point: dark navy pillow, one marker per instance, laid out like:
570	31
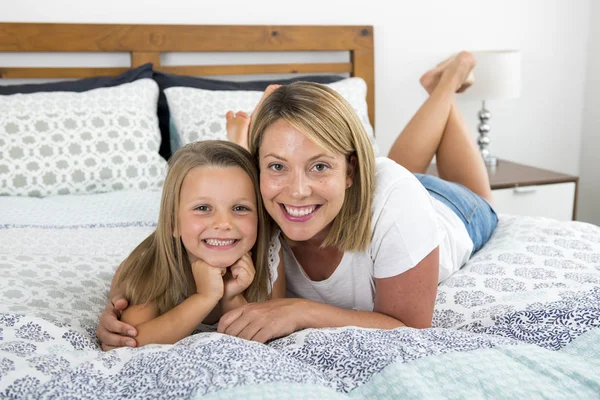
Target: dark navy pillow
166	81
81	85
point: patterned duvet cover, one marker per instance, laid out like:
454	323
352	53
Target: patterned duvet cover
520	319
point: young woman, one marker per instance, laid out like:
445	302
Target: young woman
364	241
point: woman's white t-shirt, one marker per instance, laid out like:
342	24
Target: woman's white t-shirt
407	224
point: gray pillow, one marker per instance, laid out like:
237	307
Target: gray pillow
100	140
199	114
166	81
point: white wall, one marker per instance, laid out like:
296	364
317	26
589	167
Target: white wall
542	127
589	184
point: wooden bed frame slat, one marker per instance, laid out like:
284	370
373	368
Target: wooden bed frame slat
192	70
181	38
255	69
58	73
145	43
363	66
140	58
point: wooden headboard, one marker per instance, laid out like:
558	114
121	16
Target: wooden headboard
145	43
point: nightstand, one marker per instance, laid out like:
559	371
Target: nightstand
520	189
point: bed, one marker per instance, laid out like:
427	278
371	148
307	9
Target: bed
520	319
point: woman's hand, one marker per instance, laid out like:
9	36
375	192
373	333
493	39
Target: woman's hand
209	280
111	332
240	276
264	321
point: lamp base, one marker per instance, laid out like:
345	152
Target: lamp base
484	140
490	161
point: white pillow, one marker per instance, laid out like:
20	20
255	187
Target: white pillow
100	140
199	114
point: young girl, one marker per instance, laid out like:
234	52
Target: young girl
209	252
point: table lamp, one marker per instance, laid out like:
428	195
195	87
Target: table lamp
497	76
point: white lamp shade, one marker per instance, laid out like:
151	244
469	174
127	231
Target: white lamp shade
497	75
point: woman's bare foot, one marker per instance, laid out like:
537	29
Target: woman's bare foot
459	72
237	126
431	78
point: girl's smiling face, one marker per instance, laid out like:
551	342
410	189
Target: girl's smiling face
218	218
303	185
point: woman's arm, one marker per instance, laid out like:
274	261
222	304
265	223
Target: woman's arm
403	300
410	296
320	315
405	253
171	326
280	317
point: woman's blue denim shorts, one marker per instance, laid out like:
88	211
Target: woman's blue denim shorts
474	211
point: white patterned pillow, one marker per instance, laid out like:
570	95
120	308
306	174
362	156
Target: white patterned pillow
199	114
100	140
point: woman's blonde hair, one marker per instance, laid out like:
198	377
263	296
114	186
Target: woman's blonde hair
327	119
159	269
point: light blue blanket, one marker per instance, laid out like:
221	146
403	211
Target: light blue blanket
329	363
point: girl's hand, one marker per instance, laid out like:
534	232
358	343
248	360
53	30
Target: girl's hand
264	321
240	276
209	280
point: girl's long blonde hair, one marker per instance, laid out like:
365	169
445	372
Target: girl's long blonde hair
328	120
158	269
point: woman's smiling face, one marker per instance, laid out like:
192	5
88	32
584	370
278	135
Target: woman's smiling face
302	184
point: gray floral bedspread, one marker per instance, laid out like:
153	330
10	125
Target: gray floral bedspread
520	319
